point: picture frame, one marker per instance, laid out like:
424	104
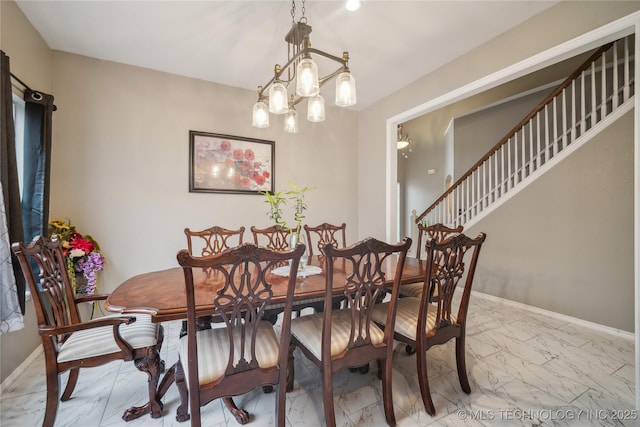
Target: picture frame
221	163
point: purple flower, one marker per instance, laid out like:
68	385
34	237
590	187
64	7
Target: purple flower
90	266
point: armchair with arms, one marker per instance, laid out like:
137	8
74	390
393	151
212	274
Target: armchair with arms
70	343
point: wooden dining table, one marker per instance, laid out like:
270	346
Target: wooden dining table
161	294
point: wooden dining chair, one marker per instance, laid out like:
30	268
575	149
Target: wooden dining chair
324	234
335	339
439	232
275	237
213	240
70	343
422	324
246	353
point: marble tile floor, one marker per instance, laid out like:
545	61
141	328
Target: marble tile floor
525	369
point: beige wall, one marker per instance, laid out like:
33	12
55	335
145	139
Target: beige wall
552	27
565	243
121	144
31	61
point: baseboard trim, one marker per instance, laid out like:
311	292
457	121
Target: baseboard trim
580	322
13	376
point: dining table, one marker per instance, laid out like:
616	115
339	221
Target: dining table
162	295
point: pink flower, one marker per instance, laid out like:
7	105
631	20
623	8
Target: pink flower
245	182
238	154
259	179
248	154
246	166
225	145
228	163
266	174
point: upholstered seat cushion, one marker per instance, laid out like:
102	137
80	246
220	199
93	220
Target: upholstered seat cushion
407	313
213	350
308	331
99	341
412	289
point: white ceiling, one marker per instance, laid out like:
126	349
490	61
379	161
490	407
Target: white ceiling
237	43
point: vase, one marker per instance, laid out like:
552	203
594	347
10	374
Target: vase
295	239
80	284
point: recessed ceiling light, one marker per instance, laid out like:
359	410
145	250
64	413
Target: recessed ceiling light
353	5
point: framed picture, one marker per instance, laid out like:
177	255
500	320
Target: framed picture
230	164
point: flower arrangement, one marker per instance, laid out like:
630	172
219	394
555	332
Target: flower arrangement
82	254
277	200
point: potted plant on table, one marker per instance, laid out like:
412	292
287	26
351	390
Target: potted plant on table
82	254
276	203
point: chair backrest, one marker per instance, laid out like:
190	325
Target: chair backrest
439	232
324	234
275	237
366	264
51	290
212	241
246	288
458	257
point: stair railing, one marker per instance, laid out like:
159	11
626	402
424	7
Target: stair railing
592	92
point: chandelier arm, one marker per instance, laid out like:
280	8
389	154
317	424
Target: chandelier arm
326	55
293	60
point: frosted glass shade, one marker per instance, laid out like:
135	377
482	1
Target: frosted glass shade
278	102
345	89
291	121
260	115
307	78
315	109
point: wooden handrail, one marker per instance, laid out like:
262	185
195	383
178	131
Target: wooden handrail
585	65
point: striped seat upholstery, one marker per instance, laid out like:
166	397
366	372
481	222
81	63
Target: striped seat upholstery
308	330
212	364
407	313
99	341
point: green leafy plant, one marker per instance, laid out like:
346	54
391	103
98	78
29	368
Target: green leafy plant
278	200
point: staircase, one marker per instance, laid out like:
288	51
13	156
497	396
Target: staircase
592	97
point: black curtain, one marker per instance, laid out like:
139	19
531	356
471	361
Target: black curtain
38	115
9	172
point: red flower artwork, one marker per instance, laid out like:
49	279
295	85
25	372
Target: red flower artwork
226	164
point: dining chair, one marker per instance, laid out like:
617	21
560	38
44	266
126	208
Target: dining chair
245	353
213	240
275	237
335	339
324	234
440	232
70	343
422	324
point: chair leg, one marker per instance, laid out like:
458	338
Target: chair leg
387	394
281	400
53	386
327	391
71	384
182	413
290	368
423	380
462	365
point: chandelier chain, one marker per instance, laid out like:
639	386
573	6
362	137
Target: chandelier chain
293	12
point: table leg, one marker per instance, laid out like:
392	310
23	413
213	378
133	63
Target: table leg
153	366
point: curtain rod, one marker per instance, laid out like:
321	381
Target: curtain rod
30	90
21	82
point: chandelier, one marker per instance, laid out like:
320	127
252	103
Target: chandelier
403	141
302	71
